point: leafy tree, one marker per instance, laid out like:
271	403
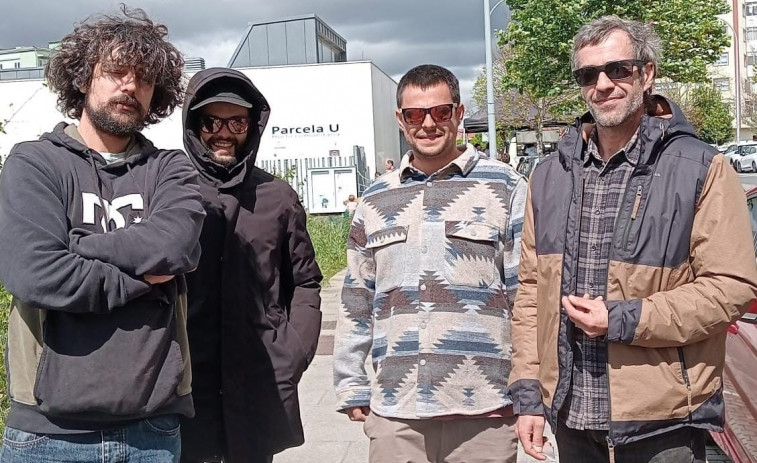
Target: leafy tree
540	35
710	115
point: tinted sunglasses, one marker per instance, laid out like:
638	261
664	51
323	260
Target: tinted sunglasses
416	116
614	70
236	125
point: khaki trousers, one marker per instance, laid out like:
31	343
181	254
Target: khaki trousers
464	440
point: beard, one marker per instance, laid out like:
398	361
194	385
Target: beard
618	116
106	118
634	101
225	160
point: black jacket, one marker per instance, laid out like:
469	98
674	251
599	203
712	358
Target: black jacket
254	302
90	343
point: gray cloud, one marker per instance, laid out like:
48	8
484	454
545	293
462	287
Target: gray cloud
394	34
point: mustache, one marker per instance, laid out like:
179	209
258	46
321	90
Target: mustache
126	100
216	138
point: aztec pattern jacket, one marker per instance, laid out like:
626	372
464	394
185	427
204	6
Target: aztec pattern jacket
432	273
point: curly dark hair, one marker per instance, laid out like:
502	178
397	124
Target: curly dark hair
131	41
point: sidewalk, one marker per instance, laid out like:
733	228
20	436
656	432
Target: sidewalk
329	436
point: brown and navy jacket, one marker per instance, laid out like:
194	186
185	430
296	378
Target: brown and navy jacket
681	270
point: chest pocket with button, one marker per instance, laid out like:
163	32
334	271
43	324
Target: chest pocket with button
389	254
469	251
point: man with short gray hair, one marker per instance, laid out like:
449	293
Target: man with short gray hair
632	269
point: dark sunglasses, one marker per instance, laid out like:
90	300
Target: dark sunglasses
236	125
614	70
416	116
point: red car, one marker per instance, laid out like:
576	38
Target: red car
739	438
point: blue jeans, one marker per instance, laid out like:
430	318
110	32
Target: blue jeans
152	440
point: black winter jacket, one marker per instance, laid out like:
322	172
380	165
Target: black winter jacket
254	301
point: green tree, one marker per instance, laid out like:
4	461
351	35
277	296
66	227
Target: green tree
515	108
540	35
710	115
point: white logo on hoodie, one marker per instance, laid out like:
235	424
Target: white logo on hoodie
92	201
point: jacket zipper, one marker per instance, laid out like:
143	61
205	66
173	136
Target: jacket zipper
636	203
610	449
685	375
634	214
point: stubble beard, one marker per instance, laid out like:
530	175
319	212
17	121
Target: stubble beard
620	115
104	118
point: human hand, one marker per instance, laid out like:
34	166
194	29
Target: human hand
590	315
157	279
530	432
358	413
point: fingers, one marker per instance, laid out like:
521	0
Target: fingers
530	431
157	279
576	315
358	413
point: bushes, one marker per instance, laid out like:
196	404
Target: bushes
329	235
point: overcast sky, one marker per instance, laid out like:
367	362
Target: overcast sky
395	34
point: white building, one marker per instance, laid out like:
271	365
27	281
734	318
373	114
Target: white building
733	73
324	117
332	122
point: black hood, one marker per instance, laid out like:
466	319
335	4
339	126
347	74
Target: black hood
662	121
67	136
213	172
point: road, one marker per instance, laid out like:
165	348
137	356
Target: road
748	180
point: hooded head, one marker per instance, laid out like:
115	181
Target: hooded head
224	116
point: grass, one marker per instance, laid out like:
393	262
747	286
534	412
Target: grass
329	235
5	303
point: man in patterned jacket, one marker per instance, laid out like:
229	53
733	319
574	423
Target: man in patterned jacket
432	263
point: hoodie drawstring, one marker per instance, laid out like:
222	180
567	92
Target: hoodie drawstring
96	174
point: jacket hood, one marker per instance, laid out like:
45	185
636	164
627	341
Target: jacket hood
67	136
662	121
211	171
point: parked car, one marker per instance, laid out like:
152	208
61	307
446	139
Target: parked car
736	156
526	164
746	160
739	438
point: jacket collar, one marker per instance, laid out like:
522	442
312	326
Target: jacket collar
662	120
461	165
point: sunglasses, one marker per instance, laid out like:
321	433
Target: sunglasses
236	125
614	70
441	113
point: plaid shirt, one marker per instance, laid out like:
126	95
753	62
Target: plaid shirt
587	406
432	271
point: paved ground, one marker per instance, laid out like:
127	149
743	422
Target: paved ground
329	436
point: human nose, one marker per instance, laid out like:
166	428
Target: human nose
129	82
224	130
604	82
428	121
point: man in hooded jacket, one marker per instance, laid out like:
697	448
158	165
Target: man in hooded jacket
254	301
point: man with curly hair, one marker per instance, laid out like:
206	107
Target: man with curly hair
98	228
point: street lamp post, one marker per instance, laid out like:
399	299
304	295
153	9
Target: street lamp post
492	124
737	75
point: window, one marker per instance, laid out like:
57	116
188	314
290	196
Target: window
751	33
16	65
751	9
751	60
722	60
722	85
